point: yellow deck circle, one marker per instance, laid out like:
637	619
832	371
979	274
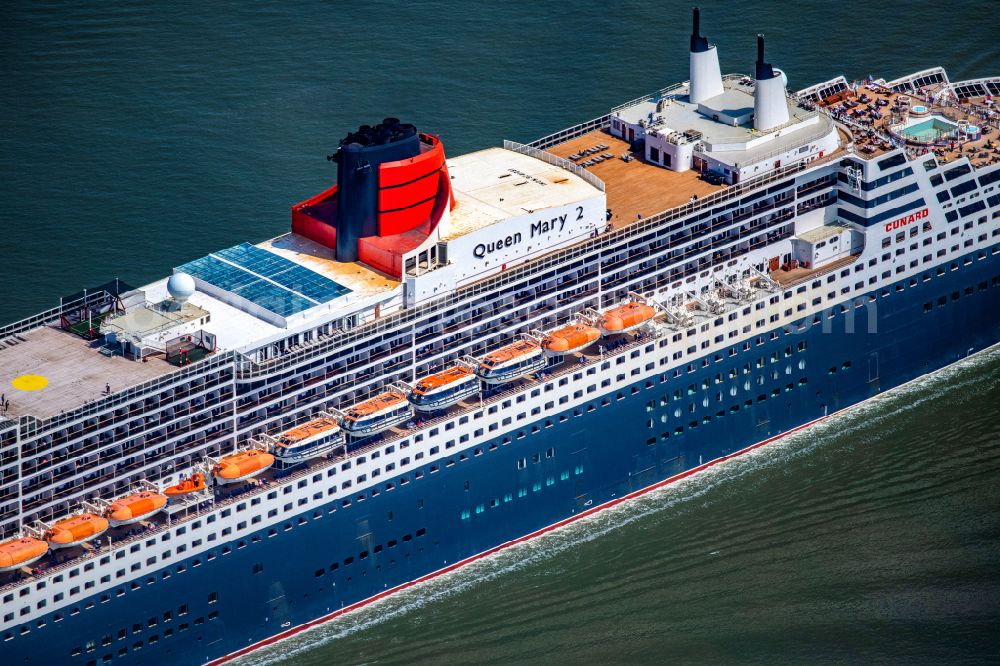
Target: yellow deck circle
30	382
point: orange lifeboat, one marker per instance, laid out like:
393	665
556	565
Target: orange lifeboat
315	438
387	409
626	318
134	508
76	530
444	389
242	466
511	362
570	339
193	484
18	553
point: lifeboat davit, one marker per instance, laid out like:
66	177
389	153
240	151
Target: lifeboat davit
18	553
376	414
625	318
193	484
242	466
511	362
76	530
443	389
134	508
570	339
309	440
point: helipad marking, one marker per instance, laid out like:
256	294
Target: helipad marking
30	382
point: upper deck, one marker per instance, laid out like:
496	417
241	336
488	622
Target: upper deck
635	189
881	118
496	184
74	372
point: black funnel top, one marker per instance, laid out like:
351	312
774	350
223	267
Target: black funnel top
358	158
763	70
699	44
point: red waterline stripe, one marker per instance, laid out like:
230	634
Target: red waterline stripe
486	553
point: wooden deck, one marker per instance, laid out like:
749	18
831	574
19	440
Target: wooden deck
796	275
634	188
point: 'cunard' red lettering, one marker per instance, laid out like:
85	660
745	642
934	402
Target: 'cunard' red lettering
903	221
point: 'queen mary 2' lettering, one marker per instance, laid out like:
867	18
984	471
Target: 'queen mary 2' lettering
909	219
538	228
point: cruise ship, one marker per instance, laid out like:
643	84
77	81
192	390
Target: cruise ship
446	356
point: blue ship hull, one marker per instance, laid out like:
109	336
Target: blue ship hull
319	562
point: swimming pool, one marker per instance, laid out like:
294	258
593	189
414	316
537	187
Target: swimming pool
930	130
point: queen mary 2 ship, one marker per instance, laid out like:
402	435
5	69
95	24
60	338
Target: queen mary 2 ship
448	356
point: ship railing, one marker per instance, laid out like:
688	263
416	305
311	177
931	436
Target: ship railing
31	425
819	272
671	90
656	95
51	315
554	160
852	124
571	132
819	134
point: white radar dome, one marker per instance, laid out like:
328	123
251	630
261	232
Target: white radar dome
180	286
784	77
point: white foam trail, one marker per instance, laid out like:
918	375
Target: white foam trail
880	409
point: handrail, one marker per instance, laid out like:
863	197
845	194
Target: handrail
779	151
555	160
667	91
835	264
211	362
572	132
52	314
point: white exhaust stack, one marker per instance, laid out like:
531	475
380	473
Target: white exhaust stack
770	109
706	77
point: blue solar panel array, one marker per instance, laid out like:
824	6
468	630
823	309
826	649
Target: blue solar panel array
265	278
